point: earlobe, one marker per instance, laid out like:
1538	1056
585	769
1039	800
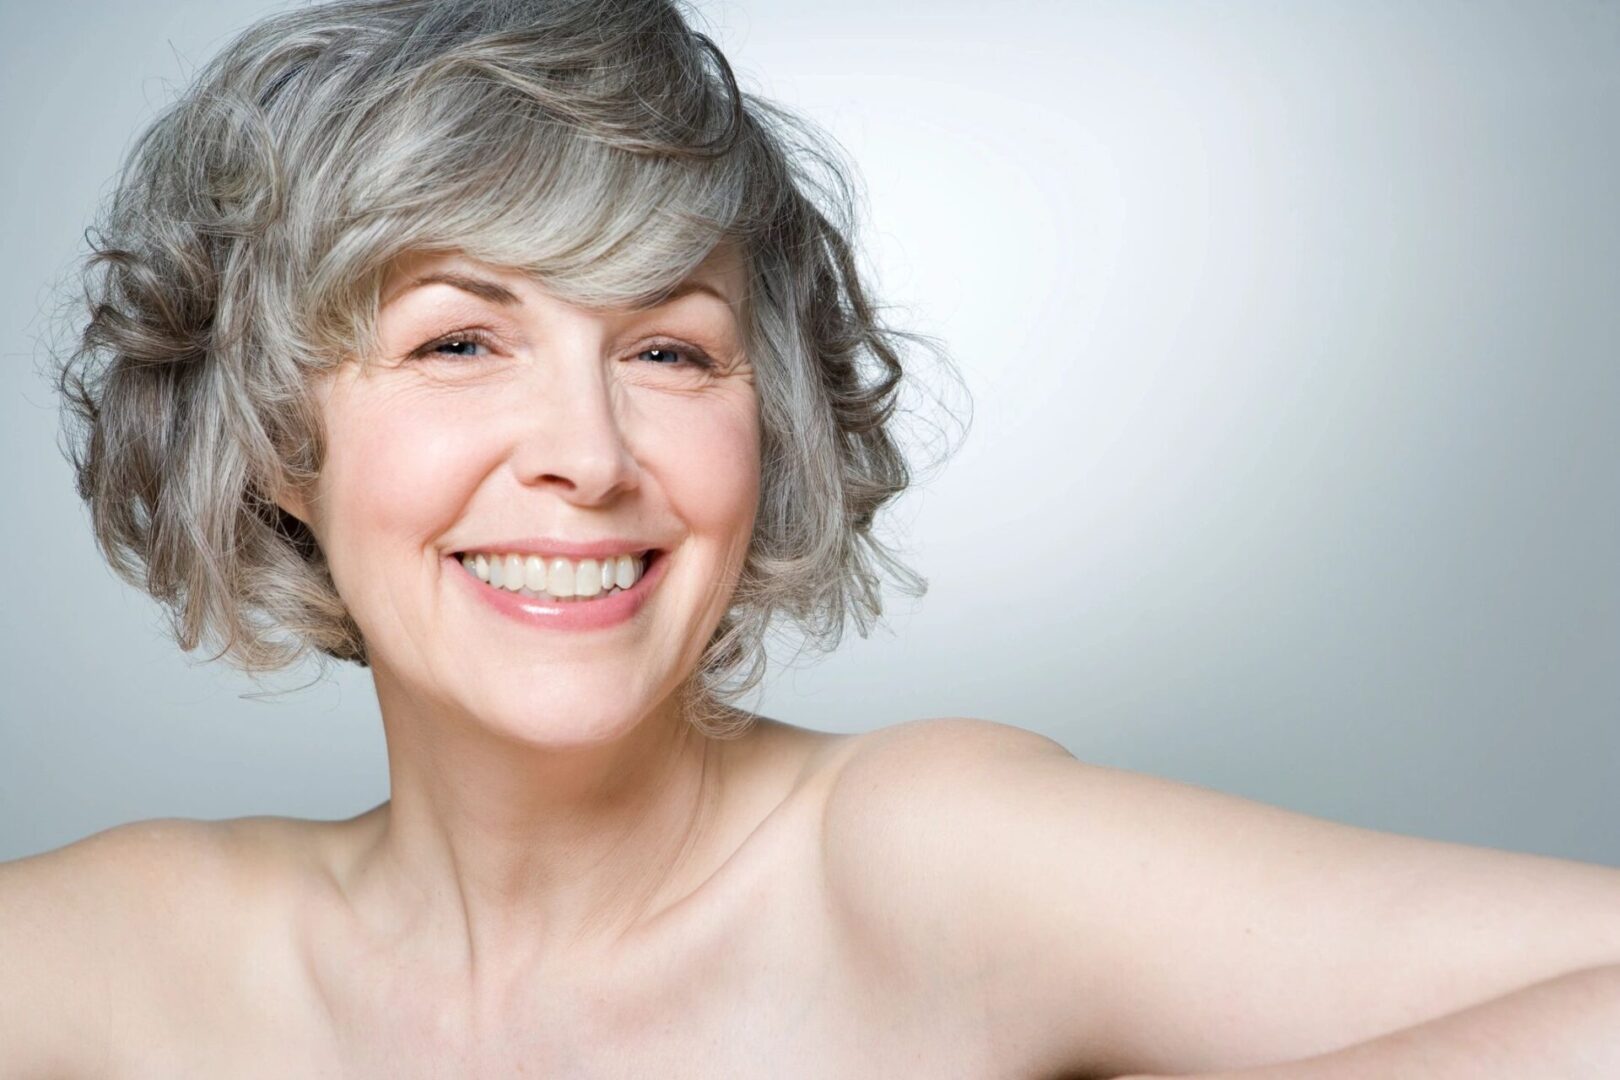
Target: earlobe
292	502
293	507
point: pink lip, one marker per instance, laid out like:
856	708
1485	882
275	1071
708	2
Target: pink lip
567	614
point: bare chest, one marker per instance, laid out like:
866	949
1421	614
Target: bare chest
800	1014
754	1002
756	976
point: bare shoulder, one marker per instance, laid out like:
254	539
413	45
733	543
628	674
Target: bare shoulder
899	817
79	922
904	765
895	777
1093	913
930	827
97	886
142	867
106	937
944	739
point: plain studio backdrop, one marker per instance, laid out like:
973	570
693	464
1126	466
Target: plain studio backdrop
1295	463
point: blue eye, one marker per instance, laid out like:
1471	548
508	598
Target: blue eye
463	343
461	338
684	356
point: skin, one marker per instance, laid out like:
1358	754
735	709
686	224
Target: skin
567	877
549	809
543	777
568	883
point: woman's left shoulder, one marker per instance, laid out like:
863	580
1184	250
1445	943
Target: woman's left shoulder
967	852
877	782
924	825
911	804
910	764
942	738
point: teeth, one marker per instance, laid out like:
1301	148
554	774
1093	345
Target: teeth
560	578
589	579
556	578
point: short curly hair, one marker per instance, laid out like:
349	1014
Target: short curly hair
601	146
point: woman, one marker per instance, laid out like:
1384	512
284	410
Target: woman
509	350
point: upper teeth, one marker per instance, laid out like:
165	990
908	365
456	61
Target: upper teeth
554	576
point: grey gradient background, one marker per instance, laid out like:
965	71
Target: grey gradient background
1294	471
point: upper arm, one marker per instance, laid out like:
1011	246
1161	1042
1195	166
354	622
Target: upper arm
1122	922
77	936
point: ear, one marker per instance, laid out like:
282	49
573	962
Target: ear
291	500
295	507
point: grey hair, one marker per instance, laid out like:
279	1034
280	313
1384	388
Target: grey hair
601	146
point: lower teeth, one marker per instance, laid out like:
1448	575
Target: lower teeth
548	598
531	594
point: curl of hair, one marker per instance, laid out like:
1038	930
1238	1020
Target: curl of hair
602	147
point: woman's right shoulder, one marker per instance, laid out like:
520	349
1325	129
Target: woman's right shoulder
118	874
95	933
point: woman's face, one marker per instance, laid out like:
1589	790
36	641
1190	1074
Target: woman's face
502	421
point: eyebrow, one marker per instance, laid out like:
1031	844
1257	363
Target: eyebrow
484	289
496	293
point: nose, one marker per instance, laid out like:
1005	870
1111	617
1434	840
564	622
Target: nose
569	432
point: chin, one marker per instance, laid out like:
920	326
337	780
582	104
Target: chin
580	712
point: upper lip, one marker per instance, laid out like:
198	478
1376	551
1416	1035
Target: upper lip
568	549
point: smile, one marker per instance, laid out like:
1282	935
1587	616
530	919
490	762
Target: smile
555	578
599	607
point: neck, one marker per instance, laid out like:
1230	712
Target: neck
504	854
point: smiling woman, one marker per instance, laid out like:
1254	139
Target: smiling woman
485	409
354	183
508	349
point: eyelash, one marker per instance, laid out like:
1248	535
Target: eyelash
694	357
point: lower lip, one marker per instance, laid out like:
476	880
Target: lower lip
596	614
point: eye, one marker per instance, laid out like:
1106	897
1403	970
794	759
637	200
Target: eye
664	353
461	339
676	354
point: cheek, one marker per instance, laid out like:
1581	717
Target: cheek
709	467
402	469
398	471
